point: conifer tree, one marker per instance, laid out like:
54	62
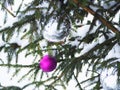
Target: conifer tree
59	24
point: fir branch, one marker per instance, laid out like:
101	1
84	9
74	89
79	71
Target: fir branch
23	21
19	7
98	46
7	10
89	79
18	65
58	77
78	82
99	17
27	46
38	83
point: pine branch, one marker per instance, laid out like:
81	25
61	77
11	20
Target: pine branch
99	17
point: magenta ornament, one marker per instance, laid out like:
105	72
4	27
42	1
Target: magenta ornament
48	63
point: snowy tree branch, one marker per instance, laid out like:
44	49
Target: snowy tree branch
99	17
23	21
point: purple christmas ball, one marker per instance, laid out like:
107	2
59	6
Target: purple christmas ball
48	63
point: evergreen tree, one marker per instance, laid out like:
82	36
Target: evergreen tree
58	24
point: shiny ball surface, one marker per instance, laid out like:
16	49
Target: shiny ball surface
48	63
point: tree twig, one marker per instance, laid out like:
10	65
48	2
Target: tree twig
78	82
8	10
38	83
99	17
23	21
17	65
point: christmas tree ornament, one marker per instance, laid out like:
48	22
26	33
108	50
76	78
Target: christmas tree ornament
55	31
48	63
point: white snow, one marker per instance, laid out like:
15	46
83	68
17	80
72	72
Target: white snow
50	33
